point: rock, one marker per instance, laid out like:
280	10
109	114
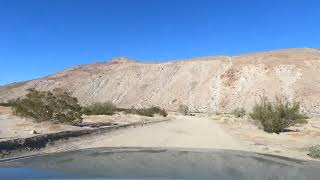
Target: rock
34	132
122	60
208	84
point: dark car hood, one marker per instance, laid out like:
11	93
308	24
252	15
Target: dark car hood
158	163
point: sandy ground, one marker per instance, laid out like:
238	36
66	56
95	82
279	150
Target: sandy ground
15	127
200	131
203	131
291	144
182	131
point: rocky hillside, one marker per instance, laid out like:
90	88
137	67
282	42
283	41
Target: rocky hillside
210	84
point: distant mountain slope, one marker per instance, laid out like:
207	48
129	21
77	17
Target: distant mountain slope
209	84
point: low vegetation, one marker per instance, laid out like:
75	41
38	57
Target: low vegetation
239	112
278	115
7	104
58	107
61	107
110	109
314	152
150	112
100	109
183	109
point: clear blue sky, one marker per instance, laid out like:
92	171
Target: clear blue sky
40	37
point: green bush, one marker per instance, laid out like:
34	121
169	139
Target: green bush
100	109
314	152
58	107
183	109
110	109
154	110
150	112
278	115
239	112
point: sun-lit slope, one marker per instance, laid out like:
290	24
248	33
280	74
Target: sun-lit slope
210	84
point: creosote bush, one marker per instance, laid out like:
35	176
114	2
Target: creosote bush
109	109
183	109
58	107
314	152
100	109
7	104
61	107
278	115
150	112
239	112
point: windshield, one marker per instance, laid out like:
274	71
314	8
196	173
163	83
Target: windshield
230	81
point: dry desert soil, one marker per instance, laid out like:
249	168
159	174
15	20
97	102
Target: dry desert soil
200	131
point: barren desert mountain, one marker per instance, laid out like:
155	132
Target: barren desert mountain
209	84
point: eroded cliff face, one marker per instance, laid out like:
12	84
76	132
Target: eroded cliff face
211	84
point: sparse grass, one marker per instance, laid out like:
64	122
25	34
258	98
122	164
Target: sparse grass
58	107
278	115
314	152
302	121
183	109
239	112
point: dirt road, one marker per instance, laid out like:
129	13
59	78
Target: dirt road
203	131
191	132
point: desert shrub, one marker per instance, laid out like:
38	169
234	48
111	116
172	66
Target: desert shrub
314	152
48	106
100	109
7	104
150	112
158	110
183	109
239	112
109	109
278	115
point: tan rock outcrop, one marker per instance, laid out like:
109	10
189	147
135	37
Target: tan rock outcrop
209	84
